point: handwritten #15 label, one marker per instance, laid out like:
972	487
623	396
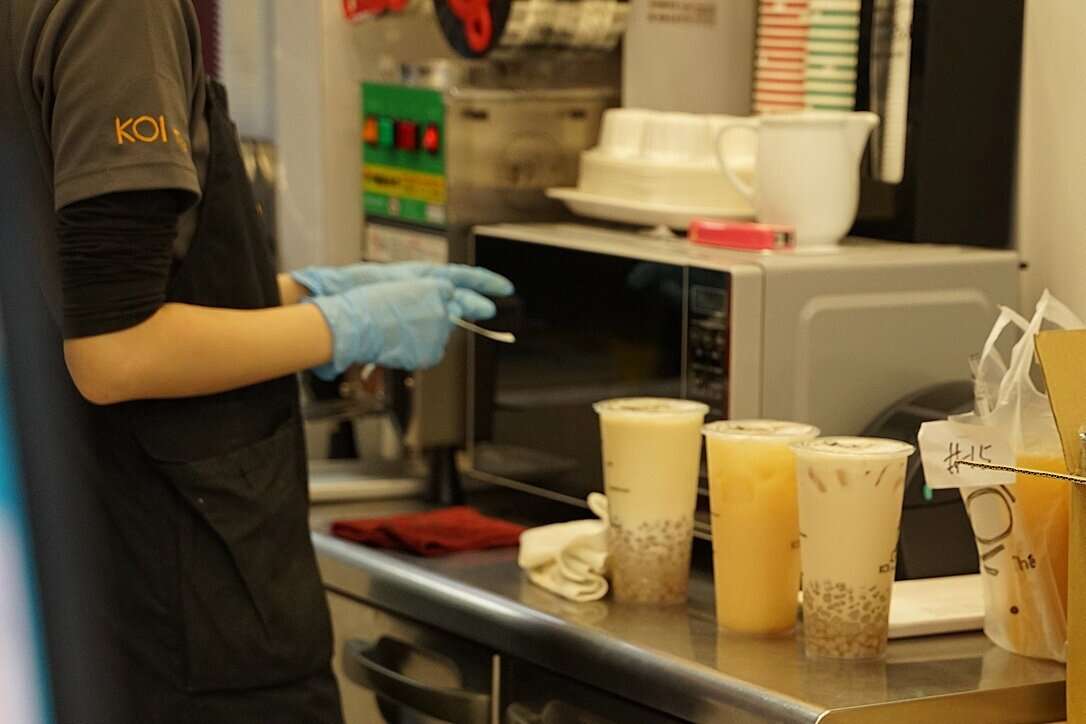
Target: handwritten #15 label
945	445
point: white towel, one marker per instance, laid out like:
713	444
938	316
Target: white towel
569	559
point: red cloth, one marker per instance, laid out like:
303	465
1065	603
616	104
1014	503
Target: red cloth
430	534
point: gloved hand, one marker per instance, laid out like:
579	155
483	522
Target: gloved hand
399	324
321	281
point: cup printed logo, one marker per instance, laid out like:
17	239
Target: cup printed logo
991	542
141	129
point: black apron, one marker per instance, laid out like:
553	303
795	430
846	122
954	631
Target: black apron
221	613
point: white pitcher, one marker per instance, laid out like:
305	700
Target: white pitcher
808	170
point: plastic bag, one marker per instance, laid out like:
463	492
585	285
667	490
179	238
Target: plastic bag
1021	530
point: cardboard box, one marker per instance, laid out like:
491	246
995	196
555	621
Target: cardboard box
1063	359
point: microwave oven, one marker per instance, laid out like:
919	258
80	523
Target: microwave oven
830	337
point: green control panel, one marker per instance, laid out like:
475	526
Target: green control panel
403	154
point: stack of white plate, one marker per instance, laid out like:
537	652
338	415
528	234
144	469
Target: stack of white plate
656	168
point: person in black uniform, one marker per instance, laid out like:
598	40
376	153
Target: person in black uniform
182	345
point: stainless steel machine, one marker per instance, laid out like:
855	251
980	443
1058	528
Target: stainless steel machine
449	144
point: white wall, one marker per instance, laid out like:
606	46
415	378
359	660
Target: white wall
1051	224
321	61
299	103
247	31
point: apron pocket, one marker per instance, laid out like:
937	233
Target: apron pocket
251	597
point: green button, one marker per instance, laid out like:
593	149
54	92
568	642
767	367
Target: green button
385	132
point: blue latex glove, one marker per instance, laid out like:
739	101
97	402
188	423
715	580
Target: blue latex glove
321	281
400	324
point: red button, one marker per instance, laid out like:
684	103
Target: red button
431	139
407	136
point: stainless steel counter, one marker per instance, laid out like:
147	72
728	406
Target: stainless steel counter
674	659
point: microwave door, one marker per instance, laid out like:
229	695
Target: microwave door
589	327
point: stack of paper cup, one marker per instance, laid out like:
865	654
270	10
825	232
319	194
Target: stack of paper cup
578	24
807	55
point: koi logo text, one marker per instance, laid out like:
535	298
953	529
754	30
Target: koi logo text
141	129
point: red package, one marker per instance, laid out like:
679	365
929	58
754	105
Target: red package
741	235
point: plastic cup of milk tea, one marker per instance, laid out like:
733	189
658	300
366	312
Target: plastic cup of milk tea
651	453
752	495
850	493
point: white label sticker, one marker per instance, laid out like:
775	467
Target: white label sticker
945	445
388	243
685	12
435	213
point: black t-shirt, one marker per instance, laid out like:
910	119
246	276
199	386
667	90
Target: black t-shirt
105	98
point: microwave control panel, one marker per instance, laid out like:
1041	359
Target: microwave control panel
708	301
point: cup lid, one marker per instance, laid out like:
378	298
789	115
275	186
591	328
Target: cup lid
860	447
760	430
659	406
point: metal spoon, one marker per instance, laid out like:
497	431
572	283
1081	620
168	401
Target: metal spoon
503	337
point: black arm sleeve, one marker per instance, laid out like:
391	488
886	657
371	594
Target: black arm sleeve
115	253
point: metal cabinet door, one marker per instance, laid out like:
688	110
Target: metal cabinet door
531	695
392	670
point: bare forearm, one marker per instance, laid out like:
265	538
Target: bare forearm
290	291
185	351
